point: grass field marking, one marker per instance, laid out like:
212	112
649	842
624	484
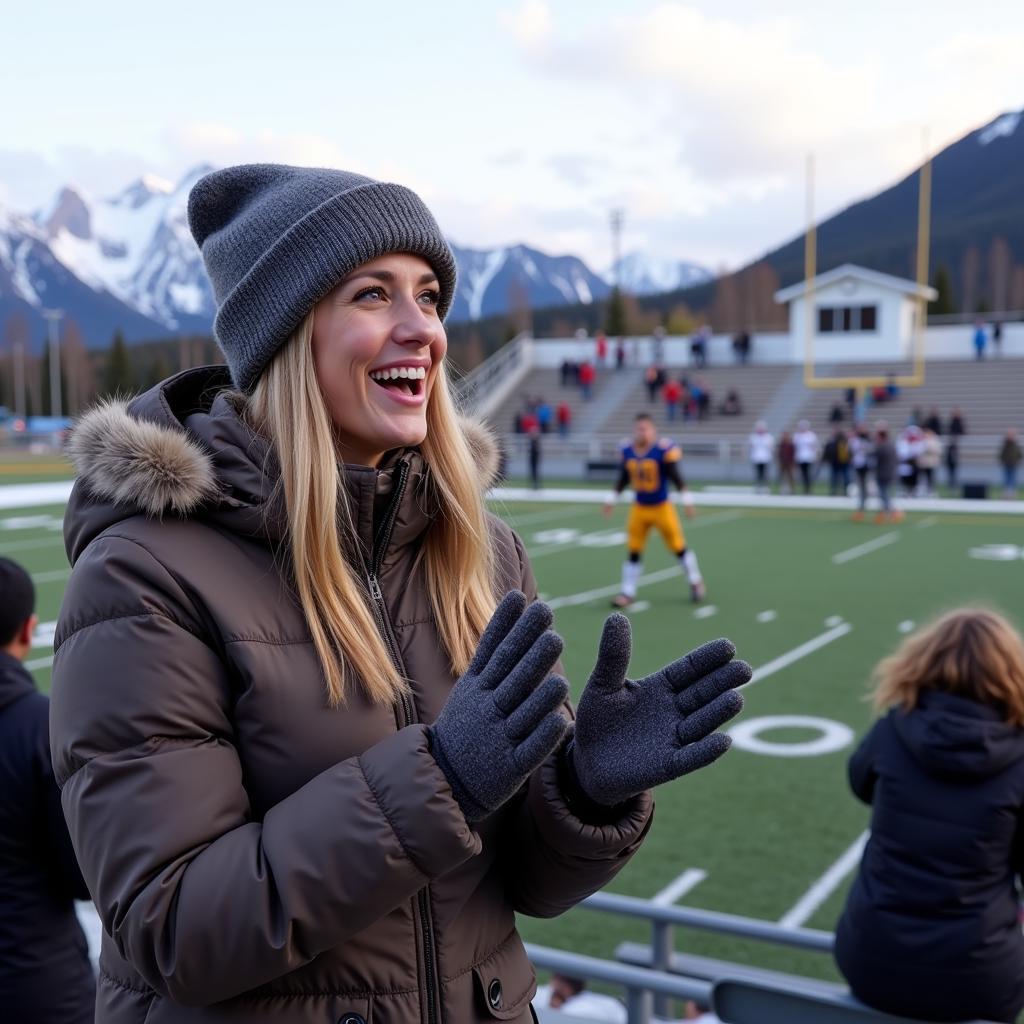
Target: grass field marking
906	626
767	616
637	606
824	886
613	588
866	548
32	545
51	577
533	518
926	522
730	515
679	887
39	663
787	659
44	634
35	495
706	611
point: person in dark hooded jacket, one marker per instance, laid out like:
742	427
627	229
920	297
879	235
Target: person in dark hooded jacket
931	926
45	974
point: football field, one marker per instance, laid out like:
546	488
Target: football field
811	599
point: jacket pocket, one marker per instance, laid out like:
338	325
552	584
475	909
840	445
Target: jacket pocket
504	983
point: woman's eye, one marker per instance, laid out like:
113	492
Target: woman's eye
375	292
430	298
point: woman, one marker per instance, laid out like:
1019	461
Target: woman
310	770
931	926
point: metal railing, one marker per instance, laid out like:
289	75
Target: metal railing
486	386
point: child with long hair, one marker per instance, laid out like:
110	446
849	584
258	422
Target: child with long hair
931	925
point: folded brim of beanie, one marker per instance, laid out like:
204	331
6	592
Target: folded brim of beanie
314	256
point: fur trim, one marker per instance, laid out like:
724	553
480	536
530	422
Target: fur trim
484	448
134	462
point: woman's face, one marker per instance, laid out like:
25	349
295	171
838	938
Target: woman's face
377	347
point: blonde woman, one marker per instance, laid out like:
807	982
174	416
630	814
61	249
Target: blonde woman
931	927
312	745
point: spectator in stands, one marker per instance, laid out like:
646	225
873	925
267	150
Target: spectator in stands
564	416
700	398
620	355
957	425
653	380
929	460
837	415
601	347
980	339
762	449
806	441
952	460
908	451
933	422
787	464
587	375
997	338
545	415
699	346
885	463
916	417
732	406
45	974
671	395
566	372
931	927
570	997
534	454
1010	459
837	457
741	347
860	460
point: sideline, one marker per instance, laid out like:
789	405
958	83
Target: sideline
730	499
30	495
677	889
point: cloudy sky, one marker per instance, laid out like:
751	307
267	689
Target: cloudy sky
518	121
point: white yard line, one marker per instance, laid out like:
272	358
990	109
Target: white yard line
613	588
31	545
705	611
31	495
787	659
767	616
38	663
50	577
824	886
678	888
533	518
926	522
865	549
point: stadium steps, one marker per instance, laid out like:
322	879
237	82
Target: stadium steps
988	392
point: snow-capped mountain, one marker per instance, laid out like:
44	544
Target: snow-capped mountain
642	274
128	261
495	280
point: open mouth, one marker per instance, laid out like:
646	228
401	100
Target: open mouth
405	380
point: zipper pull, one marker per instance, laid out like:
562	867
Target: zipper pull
375	592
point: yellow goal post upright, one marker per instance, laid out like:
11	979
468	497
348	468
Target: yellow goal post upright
861	383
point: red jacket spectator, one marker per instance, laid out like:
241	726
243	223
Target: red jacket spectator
602	349
672	392
587	374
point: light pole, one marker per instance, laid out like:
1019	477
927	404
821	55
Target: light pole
53	319
617	216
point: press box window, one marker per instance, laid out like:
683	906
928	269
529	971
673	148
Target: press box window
832	319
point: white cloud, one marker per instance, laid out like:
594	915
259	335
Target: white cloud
529	24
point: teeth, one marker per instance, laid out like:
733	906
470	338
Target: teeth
400	373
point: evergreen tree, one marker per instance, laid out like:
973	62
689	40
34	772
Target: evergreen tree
944	286
119	378
615	318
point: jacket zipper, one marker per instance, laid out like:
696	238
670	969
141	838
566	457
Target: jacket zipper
408	712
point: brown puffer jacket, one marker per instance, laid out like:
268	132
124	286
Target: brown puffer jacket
255	854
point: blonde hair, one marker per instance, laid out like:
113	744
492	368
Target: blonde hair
972	652
287	406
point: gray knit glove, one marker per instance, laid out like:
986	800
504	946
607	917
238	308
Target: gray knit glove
632	735
501	719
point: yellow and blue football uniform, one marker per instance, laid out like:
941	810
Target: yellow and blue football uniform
649	473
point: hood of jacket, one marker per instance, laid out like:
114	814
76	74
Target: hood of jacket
954	737
183	449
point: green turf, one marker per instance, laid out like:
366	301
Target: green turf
763	828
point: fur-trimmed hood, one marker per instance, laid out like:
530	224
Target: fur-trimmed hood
181	449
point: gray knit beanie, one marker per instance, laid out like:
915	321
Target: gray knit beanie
276	239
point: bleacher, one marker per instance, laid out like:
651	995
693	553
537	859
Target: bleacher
989	393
